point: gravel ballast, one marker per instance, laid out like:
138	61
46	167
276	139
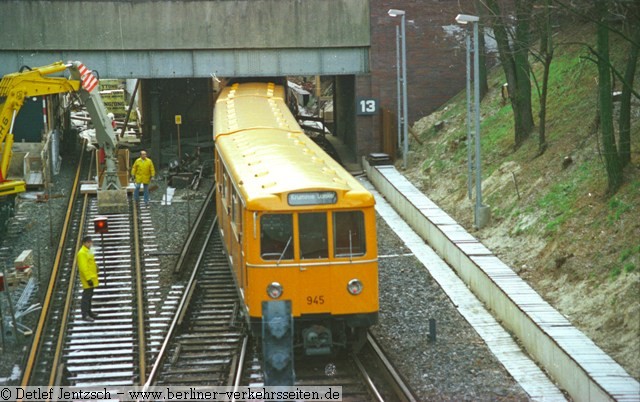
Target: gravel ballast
458	365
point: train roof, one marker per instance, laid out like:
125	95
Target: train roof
252	106
269	156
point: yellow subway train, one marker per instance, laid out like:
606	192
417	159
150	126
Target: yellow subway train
296	225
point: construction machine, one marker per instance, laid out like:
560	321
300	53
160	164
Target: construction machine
28	82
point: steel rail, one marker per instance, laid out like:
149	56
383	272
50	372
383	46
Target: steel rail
239	368
35	345
186	250
368	380
140	300
69	298
183	305
402	391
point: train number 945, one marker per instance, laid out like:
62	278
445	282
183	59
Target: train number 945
315	300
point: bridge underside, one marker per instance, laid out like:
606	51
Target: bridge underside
188	42
200	63
189	38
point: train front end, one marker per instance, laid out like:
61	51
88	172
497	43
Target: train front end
320	253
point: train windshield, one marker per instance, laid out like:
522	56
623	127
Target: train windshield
276	237
348	234
313	235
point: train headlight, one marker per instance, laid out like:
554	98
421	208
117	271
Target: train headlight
274	290
354	287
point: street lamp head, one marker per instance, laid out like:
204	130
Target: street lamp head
395	13
464	19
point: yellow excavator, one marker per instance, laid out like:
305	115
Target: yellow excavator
29	82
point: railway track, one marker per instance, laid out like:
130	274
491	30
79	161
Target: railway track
67	350
206	344
203	335
203	341
367	376
109	351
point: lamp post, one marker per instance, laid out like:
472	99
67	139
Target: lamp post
469	139
482	213
398	83
405	119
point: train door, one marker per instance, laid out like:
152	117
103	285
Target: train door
314	278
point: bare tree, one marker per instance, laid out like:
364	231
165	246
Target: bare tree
605	98
514	59
545	55
616	155
482	50
624	122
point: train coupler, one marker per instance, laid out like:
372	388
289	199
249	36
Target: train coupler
317	340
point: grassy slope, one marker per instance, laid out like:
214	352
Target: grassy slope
576	245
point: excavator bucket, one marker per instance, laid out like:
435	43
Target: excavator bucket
113	202
113	183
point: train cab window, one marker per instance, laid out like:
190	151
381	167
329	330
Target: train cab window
276	237
348	234
313	235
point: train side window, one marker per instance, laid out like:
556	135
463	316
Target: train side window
224	186
276	237
226	193
232	206
348	234
236	213
313	235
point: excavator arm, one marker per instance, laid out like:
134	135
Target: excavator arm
15	87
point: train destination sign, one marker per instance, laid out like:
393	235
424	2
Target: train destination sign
313	198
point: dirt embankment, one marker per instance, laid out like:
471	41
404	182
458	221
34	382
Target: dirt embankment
553	221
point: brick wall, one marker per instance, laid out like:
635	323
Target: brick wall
435	60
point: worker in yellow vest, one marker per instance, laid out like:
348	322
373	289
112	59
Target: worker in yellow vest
88	271
142	172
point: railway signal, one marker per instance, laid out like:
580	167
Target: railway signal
101	225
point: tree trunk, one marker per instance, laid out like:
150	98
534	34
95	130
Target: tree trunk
521	46
605	99
624	123
546	53
484	85
515	64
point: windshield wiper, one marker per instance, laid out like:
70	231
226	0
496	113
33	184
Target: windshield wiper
350	248
284	250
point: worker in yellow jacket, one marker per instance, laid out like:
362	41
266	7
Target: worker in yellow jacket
142	172
88	271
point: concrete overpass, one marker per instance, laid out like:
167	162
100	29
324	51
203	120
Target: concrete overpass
351	40
189	38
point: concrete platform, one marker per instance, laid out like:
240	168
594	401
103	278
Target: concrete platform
530	377
570	357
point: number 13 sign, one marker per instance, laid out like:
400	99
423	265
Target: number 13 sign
366	107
